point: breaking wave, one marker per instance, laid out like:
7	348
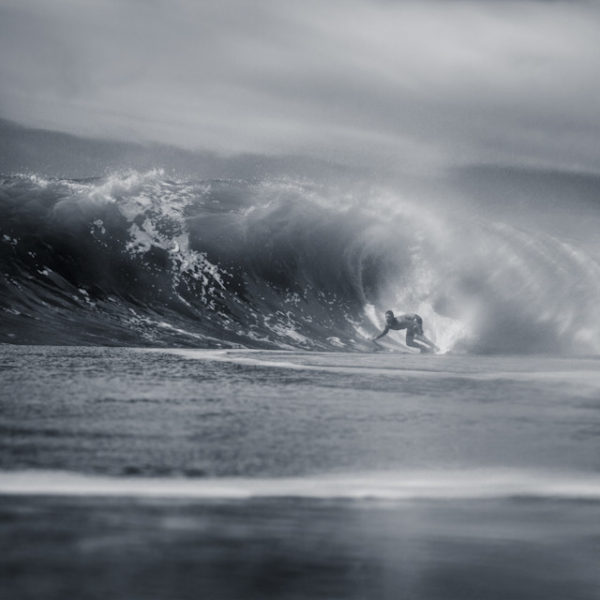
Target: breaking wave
141	259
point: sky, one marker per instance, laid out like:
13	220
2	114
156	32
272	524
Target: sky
422	85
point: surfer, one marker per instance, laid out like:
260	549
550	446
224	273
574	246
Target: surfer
413	324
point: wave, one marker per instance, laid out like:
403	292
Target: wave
430	485
142	259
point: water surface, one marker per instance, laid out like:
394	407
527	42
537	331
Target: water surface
248	474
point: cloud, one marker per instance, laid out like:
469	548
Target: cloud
417	84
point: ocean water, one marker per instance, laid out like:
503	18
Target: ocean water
173	473
191	406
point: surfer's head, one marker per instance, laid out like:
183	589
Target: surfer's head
389	315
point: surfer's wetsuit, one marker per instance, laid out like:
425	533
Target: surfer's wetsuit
413	324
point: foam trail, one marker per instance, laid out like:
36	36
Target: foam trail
399	485
262	358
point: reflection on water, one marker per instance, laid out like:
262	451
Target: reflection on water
55	548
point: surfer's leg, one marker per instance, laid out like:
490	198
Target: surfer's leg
414	343
425	340
416	339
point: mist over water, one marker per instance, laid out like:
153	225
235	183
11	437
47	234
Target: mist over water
143	258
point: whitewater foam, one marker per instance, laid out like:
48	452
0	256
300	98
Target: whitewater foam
409	485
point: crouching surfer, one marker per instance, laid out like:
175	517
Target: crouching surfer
414	330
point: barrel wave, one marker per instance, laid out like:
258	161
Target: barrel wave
143	259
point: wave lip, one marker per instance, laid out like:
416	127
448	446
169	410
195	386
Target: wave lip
387	486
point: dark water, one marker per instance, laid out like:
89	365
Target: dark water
132	473
97	548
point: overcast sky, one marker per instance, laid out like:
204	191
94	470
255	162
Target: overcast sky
422	84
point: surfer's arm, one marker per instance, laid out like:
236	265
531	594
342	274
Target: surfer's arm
384	332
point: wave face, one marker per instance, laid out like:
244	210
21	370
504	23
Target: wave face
141	259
